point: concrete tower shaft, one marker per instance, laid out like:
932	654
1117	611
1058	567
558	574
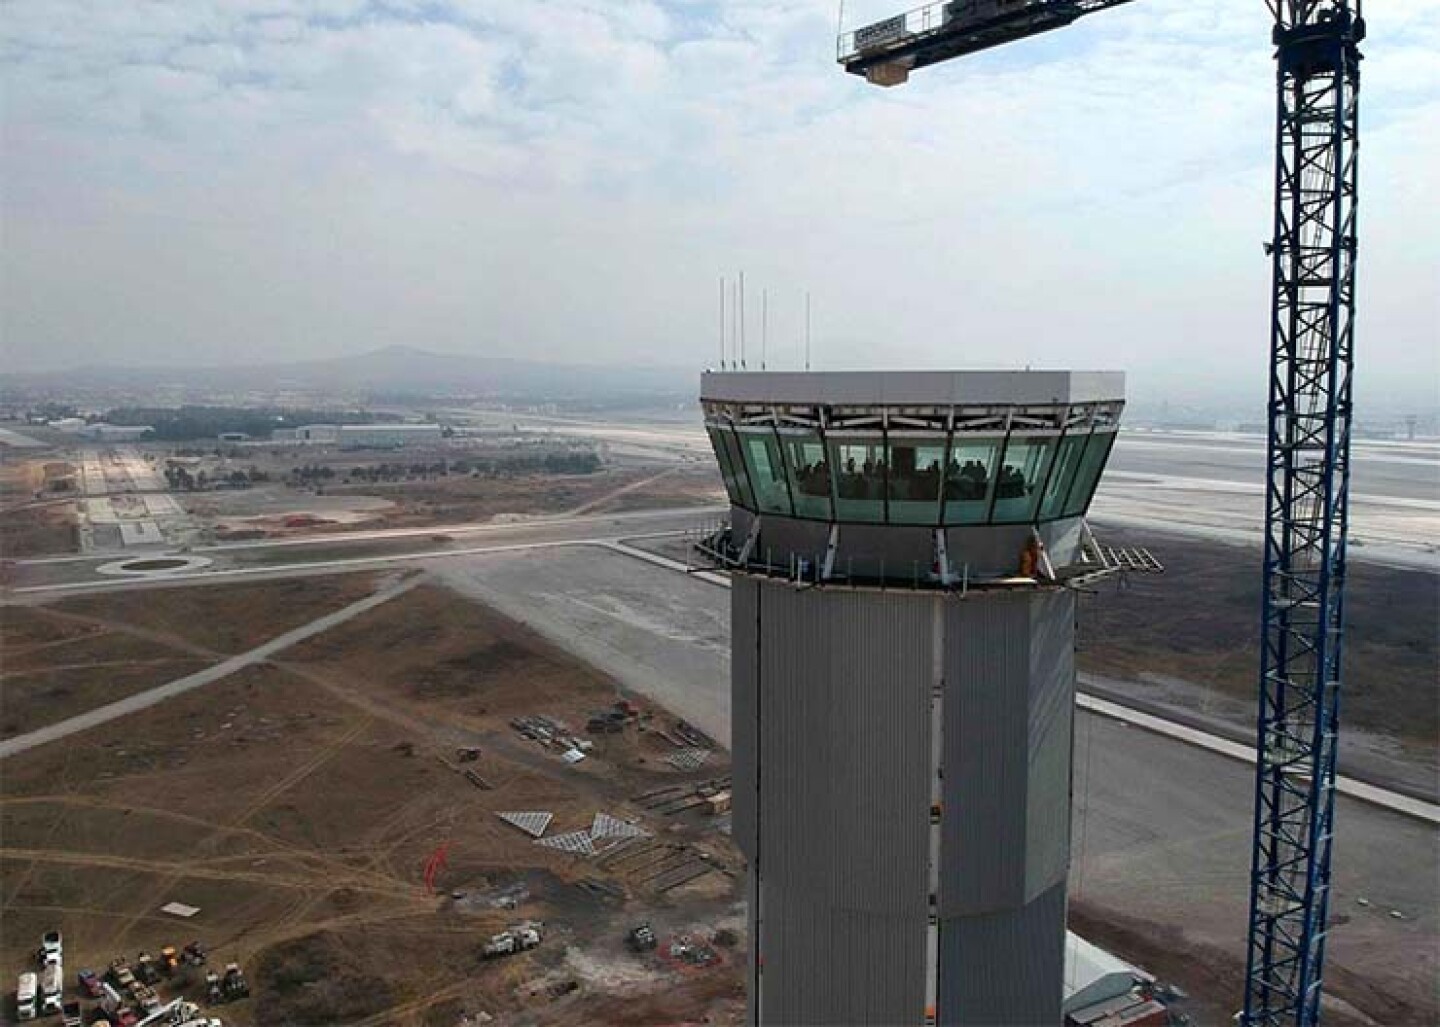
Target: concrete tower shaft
903	683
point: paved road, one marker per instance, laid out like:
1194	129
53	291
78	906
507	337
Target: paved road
150	697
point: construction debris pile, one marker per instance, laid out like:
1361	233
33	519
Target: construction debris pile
713	796
553	733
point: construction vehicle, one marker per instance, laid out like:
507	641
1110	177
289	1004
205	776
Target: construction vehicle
52	950
26	987
467	754
146	970
194	954
169	960
234	983
90	983
641	938
52	986
121	973
145	997
110	999
214	992
517	939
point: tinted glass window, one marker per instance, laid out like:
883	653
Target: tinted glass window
737	467
722	457
970	478
916	467
809	474
1022	477
859	469
1062	475
767	470
1088	475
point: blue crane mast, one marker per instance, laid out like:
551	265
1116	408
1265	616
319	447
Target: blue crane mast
1312	250
1312	330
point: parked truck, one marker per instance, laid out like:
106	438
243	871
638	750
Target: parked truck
517	939
52	985
236	987
641	938
194	954
25	994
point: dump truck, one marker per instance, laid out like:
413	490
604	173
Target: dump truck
169	960
214	991
70	1015
146	970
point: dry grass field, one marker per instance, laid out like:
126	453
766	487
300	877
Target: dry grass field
297	802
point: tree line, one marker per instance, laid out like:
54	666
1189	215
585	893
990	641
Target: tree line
177	424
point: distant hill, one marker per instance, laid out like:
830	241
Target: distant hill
395	371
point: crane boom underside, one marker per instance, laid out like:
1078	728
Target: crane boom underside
953	28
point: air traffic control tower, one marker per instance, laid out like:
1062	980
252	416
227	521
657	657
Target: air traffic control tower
901	548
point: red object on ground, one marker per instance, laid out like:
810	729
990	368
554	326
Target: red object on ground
435	864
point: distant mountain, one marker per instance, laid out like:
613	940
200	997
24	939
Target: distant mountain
395	371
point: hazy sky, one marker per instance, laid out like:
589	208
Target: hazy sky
209	182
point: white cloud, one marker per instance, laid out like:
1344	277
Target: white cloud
200	180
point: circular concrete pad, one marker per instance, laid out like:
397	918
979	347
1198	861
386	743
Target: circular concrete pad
154	566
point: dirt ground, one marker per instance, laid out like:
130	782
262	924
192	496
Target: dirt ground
31	526
61	659
1200	620
236	617
460	499
297	804
53	666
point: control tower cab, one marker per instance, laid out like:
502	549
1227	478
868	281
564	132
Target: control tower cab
903	682
927	478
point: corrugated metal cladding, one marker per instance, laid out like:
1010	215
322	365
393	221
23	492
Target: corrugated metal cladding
744	748
987	672
1005	969
844	731
843	714
1052	715
831	728
1009	695
830	966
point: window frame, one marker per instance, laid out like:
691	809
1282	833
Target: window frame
1051	440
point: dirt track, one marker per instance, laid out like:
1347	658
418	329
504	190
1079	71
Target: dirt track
295	803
